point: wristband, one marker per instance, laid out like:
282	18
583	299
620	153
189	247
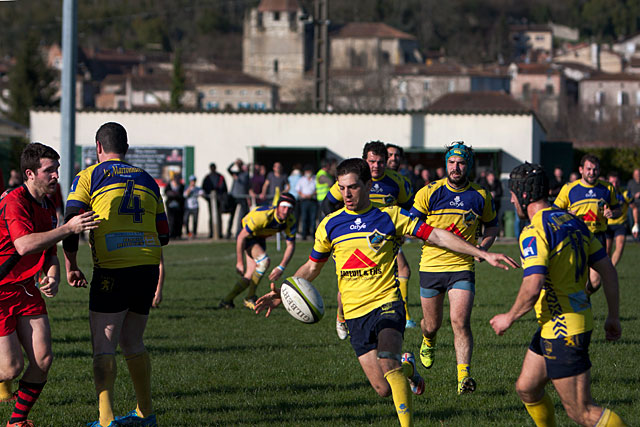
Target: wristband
281	268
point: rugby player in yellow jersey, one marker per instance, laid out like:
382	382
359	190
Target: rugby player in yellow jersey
460	206
363	241
557	250
257	225
388	188
126	250
592	200
395	155
617	227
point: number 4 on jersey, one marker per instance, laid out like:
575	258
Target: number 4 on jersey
130	203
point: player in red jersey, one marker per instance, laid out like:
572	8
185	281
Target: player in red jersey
28	235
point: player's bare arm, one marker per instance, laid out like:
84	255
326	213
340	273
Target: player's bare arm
240	244
38	242
609	275
288	253
635	230
490	235
525	301
50	279
448	240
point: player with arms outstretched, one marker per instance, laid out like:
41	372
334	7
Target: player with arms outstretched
363	241
557	250
127	252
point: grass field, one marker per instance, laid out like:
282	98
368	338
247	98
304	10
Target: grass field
233	368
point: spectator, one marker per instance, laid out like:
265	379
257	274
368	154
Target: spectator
15	179
191	208
573	176
423	179
174	194
633	186
556	183
306	189
215	182
293	180
324	179
257	182
440	173
239	193
493	185
275	179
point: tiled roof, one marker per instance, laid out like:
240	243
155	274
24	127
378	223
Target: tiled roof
278	6
227	78
478	103
428	70
370	30
609	77
538	68
532	27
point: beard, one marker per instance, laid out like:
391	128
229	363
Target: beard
459	181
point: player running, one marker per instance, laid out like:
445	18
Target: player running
462	207
617	227
28	238
363	240
126	250
557	249
257	225
594	202
388	188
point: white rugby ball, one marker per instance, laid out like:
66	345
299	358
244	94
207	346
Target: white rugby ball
302	300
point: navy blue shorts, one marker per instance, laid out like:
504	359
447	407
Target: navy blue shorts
250	242
602	238
433	284
564	357
614	231
117	289
364	330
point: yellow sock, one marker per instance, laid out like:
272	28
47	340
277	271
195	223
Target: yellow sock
407	369
104	376
464	370
253	284
5	390
542	412
401	393
139	366
404	290
610	419
240	286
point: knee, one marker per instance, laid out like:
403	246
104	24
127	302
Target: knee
131	346
461	324
12	370
527	393
383	390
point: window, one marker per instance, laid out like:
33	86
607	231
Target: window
258	92
386	58
623	98
598	114
293	22
600	98
539	38
260	21
121	105
243	91
402	103
212	105
276	16
402	86
275	66
260	106
451	87
228	92
150	99
244	105
638	98
425	86
212	91
548	89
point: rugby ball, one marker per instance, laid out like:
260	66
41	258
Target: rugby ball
302	300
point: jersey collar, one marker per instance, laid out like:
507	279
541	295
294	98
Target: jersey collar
365	210
456	190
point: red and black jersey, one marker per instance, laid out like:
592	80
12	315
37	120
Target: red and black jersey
21	214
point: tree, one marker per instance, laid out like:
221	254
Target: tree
177	81
30	82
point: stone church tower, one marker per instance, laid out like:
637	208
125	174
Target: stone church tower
273	46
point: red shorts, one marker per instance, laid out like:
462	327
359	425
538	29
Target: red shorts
18	300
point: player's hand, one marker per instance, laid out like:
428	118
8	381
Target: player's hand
635	230
275	274
269	301
83	222
500	323
608	213
76	279
500	260
157	299
240	268
48	285
612	329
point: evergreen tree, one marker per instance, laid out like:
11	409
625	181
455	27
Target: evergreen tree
177	81
30	82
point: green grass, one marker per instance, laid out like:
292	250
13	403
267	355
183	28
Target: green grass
232	368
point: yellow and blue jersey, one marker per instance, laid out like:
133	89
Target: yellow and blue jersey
624	199
560	246
128	203
262	222
460	211
588	202
364	246
389	190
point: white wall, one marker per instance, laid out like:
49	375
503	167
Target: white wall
223	137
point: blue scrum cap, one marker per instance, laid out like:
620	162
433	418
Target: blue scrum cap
457	148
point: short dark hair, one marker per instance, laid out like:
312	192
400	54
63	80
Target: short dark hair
113	138
591	158
375	147
31	155
400	149
613	174
357	166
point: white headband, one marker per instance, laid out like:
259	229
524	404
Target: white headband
285	204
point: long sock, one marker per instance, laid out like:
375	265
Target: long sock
401	393
610	419
404	290
104	377
253	284
542	412
139	365
28	393
5	390
464	370
240	286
